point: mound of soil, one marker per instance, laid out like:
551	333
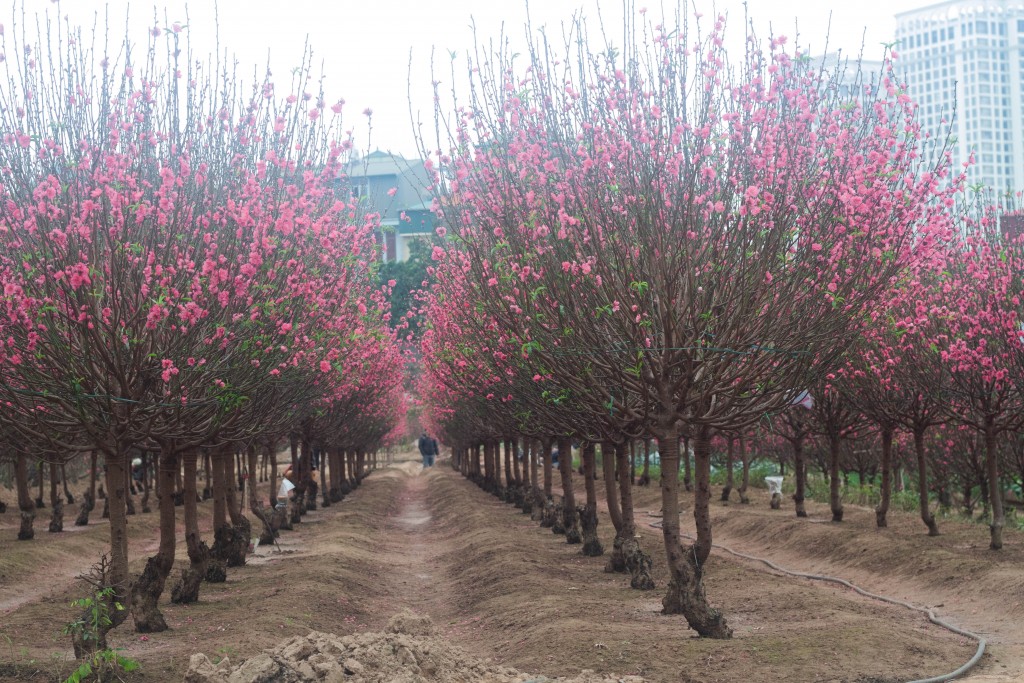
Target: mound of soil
407	651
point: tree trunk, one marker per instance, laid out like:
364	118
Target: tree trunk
632	461
727	489
517	465
616	562
89	499
922	483
129	501
588	513
40	480
645	476
148	588
219	493
335	456
278	519
548	506
239	531
207	475
309	486
800	471
26	506
886	492
488	467
835	500
273	473
56	503
536	494
509	479
187	589
687	474
117	576
69	499
686	567
638	563
569	523
216	566
995	494
146	459
255	503
326	469
745	479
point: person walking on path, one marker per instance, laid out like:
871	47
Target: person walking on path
428	449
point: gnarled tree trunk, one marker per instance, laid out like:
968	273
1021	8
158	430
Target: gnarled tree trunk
548	505
569	521
68	498
727	489
638	563
995	494
255	502
882	509
56	503
922	483
616	562
588	513
89	499
686	566
800	472
147	458
26	506
687	474
148	587
117	569
745	480
187	589
834	497
239	530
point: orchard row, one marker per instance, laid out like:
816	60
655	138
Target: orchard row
653	241
183	274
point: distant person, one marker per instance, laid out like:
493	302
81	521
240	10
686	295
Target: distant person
428	449
285	492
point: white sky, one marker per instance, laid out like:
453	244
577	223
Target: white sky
365	44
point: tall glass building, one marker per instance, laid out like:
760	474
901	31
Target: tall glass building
964	63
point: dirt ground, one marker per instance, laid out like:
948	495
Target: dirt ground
508	592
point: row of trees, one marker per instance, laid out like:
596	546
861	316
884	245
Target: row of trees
653	241
182	273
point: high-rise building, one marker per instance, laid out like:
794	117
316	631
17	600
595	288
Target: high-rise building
964	64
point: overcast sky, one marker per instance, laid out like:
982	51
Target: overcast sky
365	45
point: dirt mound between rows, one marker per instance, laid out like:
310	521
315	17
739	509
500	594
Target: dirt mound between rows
407	651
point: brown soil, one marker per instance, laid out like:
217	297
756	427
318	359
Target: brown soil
512	594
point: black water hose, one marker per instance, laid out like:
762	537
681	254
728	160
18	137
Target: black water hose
982	643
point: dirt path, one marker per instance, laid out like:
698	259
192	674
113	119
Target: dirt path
495	584
410	558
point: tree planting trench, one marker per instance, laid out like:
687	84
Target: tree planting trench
501	587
